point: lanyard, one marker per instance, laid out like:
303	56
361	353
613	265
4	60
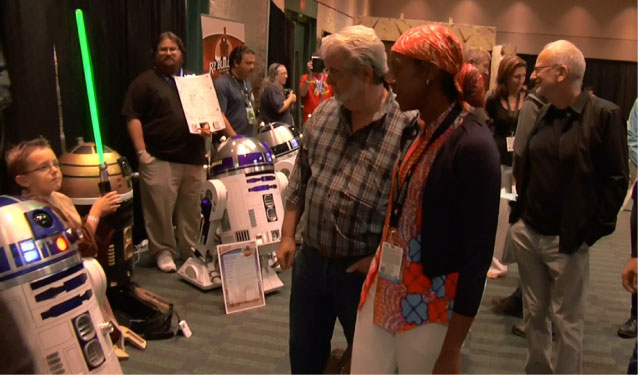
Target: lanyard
513	113
247	97
320	87
169	78
398	198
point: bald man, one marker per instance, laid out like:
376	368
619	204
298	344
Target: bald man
571	178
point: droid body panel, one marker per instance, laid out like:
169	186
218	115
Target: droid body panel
49	292
252	208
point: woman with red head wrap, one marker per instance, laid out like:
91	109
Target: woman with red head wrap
426	281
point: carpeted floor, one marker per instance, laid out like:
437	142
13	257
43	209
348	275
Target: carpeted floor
257	341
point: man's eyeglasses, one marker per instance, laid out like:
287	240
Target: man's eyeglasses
45	168
538	69
167	49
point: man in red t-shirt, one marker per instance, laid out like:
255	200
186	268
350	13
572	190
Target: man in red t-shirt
314	89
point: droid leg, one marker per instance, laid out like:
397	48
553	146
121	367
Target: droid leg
200	271
269	276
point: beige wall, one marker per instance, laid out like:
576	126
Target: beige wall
604	29
350	7
334	15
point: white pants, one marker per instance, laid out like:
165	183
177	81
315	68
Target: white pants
377	351
497	268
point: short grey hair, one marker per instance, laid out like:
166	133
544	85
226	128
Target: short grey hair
363	46
565	52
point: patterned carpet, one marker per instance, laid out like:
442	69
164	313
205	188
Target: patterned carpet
257	341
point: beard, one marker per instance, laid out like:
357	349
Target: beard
169	65
356	91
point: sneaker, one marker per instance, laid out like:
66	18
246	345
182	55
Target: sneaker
519	330
628	330
165	262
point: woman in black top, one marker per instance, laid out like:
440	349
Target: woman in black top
502	107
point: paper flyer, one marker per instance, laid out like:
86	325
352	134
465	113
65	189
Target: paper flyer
199	101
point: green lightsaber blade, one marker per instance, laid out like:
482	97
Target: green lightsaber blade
90	87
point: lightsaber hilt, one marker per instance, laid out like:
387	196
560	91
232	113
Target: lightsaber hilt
105	183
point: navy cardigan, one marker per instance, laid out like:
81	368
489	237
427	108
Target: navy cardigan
460	212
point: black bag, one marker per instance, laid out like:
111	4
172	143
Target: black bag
150	318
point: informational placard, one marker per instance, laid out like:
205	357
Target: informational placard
199	101
241	276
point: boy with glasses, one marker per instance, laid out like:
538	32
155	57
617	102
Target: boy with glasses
35	168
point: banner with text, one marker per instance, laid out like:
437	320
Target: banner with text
219	37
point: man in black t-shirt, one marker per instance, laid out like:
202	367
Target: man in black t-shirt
170	157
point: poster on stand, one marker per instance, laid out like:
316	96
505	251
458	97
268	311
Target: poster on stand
241	276
199	101
219	37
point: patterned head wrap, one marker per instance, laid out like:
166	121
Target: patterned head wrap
439	46
432	43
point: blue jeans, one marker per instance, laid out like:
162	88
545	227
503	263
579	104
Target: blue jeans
321	292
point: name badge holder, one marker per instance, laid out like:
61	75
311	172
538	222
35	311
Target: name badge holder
510	143
391	259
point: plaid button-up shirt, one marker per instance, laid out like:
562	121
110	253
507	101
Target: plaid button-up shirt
342	179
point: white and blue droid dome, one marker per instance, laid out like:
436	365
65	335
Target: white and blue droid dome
241	154
34	241
279	137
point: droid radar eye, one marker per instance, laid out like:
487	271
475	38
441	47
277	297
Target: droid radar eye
43	219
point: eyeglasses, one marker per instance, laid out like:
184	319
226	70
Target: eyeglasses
167	49
538	69
45	168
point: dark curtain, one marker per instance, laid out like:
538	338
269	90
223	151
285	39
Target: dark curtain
611	80
26	38
5	100
281	41
614	81
121	34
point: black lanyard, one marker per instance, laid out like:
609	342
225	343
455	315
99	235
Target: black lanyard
244	92
170	79
398	197
513	113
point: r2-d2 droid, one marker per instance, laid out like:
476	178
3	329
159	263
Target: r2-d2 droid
49	292
242	202
283	143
